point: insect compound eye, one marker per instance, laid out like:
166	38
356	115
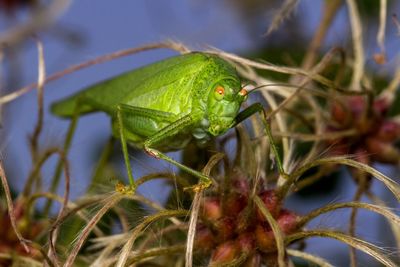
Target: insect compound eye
243	93
219	92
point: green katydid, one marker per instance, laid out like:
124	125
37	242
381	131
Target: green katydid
162	106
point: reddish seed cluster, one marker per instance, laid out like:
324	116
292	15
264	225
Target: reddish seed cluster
232	228
10	6
375	134
9	242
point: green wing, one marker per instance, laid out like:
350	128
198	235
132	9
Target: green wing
106	95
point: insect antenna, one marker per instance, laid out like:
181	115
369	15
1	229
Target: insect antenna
267	85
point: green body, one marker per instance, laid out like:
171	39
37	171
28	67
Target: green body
170	101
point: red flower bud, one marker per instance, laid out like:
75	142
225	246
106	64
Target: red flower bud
211	208
340	114
265	238
379	58
225	228
204	239
381	106
271	202
357	105
246	242
225	252
389	131
241	185
288	221
234	204
382	152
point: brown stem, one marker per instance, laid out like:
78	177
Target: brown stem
101	59
24	242
330	9
362	180
34	139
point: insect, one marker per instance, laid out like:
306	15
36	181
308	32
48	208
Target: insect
162	106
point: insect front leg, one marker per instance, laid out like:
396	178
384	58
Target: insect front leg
167	132
258	108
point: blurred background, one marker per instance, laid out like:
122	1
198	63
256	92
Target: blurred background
83	30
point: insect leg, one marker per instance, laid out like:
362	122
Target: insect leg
169	131
140	122
130	115
254	108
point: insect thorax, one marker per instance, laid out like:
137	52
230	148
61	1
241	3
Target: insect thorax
213	75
